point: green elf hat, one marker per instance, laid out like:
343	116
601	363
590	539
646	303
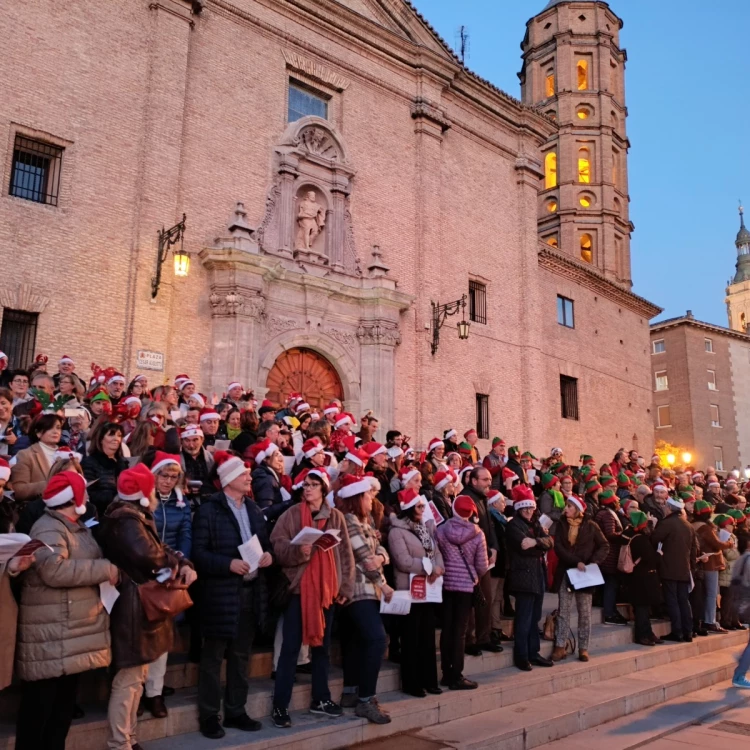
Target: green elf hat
638	518
607	481
101	396
464	449
623	480
636	481
529	455
606	471
702	508
737	514
513	450
497	441
549	480
608	497
557	467
587	460
593	485
586	471
723	520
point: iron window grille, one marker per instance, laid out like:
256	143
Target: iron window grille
18	337
304	102
565	312
569	397
477	302
483	416
35	175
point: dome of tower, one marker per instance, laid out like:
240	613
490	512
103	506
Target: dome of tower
743	236
552	3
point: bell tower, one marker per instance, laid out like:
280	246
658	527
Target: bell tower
574	72
738	289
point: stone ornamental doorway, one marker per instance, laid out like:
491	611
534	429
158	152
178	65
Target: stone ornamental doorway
307	372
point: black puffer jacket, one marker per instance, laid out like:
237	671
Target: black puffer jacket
267	493
216	536
103	472
526	571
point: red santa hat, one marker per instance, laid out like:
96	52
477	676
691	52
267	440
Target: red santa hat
578	502
234	384
4	469
472	431
450	433
301	408
352	485
434	443
409	498
332	408
443	478
65	360
373	449
4	356
136	484
523	497
343	419
190	431
116	377
299	479
312	447
293	398
228	467
64	487
406	474
464	507
209	413
185	383
64	453
200	398
493	496
163	459
263	450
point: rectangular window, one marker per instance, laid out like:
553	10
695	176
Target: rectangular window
662	382
708	345
549	84
658	347
483	416
304	102
663	418
711	380
35	174
18	337
565	314
718	458
477	302
715	420
569	397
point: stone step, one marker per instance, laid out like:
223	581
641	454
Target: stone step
500	685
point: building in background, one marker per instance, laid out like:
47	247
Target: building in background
368	176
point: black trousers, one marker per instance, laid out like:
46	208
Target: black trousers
678	604
457	606
418	653
46	713
642	621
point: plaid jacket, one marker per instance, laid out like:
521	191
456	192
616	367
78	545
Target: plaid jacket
365	544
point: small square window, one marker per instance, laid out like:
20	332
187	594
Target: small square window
718	458
304	102
483	416
715	419
662	382
663	417
477	302
711	380
569	397
565	312
708	345
35	174
658	347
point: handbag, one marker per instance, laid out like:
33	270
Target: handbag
477	595
163	601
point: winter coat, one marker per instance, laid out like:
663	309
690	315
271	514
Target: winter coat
442	503
546	505
8	626
290	558
407	552
500	522
129	539
458	535
103	472
609	523
679	547
267	493
365	545
198	469
29	474
516	467
63	627
591	547
730	555
709	544
485	522
643	584
526	569
216	537
651	507
174	524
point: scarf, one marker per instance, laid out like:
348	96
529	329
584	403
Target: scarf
558	499
318	587
232	432
424	536
574	524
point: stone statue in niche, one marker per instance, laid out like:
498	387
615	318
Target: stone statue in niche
311	220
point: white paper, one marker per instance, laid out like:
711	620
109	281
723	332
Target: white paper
427	515
222	445
545	521
530	474
109	595
10	544
434	591
724	535
592	577
91	523
658	548
308	535
400	604
289	462
251	552
427	565
175	414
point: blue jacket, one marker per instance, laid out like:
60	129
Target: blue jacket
216	537
174	525
267	493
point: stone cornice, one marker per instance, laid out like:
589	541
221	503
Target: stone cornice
690	321
594	280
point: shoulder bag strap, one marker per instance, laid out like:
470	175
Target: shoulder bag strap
466	563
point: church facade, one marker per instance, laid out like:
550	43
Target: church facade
344	179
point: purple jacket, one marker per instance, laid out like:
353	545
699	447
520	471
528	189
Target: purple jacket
455	533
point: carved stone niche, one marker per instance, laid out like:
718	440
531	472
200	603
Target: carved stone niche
307	214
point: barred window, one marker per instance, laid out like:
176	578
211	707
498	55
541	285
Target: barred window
477	302
304	102
483	416
569	397
35	174
18	337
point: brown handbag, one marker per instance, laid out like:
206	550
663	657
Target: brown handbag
162	601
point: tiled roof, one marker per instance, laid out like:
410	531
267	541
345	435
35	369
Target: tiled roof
691	321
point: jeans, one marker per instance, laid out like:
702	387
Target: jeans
698	600
362	645
526	642
742	665
290	646
609	594
418	653
46	713
456	611
678	605
711	579
237	651
278	638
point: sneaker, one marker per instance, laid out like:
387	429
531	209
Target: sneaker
349	700
243	722
326	708
211	728
371	711
741	682
280	718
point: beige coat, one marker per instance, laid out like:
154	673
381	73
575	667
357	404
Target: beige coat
28	476
8	621
407	552
63	627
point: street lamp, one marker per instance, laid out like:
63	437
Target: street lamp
168	238
686	458
441	312
670	459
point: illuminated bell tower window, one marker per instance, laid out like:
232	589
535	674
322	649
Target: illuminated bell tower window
583	112
550	170
549	83
587	248
582	75
552	241
585	201
551	206
584	165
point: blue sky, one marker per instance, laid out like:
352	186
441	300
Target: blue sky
688	97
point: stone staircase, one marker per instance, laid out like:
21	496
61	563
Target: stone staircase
510	709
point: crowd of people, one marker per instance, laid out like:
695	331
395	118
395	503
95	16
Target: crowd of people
239	521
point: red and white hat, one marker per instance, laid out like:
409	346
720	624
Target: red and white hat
228	467
523	497
64	453
450	433
434	443
352	485
190	431
234	384
263	450
209	413
322	474
406	474
343	419
409	498
301	407
493	496
4	356
4	469
163	459
299	479
332	408
65	359
578	502
116	378
472	431
200	398
185	383
135	484
507	474
312	447
464	507
180	379
443	478
64	487
373	449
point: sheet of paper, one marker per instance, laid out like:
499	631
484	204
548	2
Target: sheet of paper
427	515
435	513
251	552
91	523
427	565
424	592
724	535
545	521
307	535
109	595
289	462
175	414
530	475
222	445
591	577
400	604
12	544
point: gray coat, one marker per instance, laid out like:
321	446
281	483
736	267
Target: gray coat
407	552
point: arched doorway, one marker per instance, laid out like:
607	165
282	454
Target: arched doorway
307	372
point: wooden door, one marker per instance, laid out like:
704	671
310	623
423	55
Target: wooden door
307	372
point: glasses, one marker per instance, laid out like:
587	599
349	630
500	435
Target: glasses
170	477
20	381
309	485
